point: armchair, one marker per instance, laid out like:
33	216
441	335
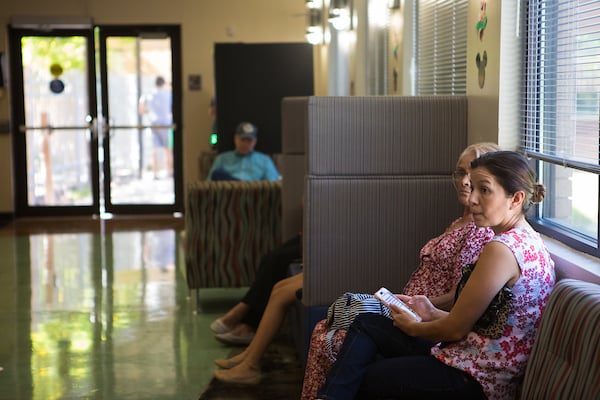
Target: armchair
229	226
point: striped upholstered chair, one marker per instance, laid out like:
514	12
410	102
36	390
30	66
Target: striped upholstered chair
565	360
230	225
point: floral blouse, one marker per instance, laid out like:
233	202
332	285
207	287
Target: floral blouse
499	364
443	257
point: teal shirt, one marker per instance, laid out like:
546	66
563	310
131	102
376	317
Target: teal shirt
255	166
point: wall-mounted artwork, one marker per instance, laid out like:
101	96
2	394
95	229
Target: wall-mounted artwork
395	50
481	58
481	62
482	22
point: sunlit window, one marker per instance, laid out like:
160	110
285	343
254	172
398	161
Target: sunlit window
560	115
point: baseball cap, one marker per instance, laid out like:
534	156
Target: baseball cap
246	130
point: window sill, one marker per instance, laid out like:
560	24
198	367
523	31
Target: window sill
570	263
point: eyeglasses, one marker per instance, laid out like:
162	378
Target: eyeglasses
459	174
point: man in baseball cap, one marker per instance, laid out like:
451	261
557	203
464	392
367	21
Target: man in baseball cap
246	130
244	163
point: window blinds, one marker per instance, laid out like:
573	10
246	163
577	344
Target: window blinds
441	47
561	84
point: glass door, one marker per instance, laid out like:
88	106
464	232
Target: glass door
98	120
141	118
54	106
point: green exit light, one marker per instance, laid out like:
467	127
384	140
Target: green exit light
214	138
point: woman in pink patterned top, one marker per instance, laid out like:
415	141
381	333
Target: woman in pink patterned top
480	348
441	261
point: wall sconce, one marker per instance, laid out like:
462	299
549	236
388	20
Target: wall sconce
314	4
340	14
393	4
315	32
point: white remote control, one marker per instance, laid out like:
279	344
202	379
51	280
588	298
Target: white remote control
387	298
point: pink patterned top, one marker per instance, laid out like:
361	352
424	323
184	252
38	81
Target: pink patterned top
443	257
498	364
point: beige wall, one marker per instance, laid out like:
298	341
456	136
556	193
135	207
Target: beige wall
483	101
494	109
203	23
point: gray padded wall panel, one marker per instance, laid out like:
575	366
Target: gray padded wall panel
293	124
292	169
385	135
378	223
292	163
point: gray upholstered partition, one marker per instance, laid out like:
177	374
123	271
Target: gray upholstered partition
292	163
377	188
385	135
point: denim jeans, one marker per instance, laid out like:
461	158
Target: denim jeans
379	361
220	174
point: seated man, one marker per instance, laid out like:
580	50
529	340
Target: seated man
243	163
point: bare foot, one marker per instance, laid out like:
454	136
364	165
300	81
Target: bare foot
243	374
235	315
231	362
242	330
238	358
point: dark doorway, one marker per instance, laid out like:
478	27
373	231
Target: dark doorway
251	80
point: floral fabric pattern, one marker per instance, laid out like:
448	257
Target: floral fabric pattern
443	257
499	364
319	360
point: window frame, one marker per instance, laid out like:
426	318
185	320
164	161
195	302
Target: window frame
531	114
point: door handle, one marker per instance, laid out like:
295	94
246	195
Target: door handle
106	128
92	125
172	126
24	128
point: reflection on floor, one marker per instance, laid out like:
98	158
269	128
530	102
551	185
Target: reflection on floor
100	310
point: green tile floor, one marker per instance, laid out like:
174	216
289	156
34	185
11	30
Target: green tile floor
103	314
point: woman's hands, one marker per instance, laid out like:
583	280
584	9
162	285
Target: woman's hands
421	305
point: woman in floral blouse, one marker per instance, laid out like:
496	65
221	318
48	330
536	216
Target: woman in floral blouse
480	348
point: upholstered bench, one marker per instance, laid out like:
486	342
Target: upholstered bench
565	360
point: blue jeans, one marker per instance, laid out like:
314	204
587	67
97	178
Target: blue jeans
379	361
220	174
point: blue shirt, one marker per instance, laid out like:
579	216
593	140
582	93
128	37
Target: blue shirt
254	166
160	103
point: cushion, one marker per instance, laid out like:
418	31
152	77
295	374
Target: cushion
565	360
